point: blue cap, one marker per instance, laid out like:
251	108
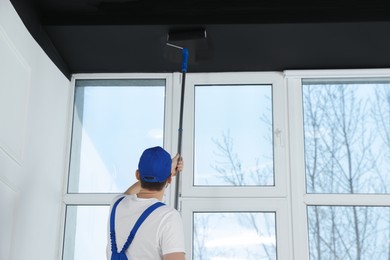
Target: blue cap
155	165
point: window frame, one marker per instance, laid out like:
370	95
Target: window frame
279	206
288	196
244	198
280	145
299	196
170	123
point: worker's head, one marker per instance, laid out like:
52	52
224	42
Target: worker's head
154	168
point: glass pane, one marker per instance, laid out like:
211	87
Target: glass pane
85	232
348	232
238	235
114	121
233	135
347	136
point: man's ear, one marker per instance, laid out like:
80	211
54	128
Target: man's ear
137	175
169	180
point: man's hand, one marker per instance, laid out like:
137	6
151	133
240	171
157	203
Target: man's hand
177	165
174	256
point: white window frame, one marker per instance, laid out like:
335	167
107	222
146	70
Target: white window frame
288	198
280	145
279	206
170	123
240	199
300	199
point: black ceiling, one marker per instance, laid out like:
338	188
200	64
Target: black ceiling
94	36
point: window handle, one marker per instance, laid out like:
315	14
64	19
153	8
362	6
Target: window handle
279	137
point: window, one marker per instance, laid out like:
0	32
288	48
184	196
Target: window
279	166
341	163
346	145
348	232
114	120
236	228
233	138
110	131
234	194
234	234
347	135
233	135
85	232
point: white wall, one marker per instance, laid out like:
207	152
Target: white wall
34	97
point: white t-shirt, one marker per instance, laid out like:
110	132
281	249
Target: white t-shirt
161	233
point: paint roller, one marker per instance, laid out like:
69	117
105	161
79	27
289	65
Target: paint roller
183	40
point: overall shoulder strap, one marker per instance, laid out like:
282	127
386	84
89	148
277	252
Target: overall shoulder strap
140	220
114	247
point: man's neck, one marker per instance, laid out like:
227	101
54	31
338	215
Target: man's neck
149	194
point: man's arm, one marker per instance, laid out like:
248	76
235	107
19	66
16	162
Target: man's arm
175	256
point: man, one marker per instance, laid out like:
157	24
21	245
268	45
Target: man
160	236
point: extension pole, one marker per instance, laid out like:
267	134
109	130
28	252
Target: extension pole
184	66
